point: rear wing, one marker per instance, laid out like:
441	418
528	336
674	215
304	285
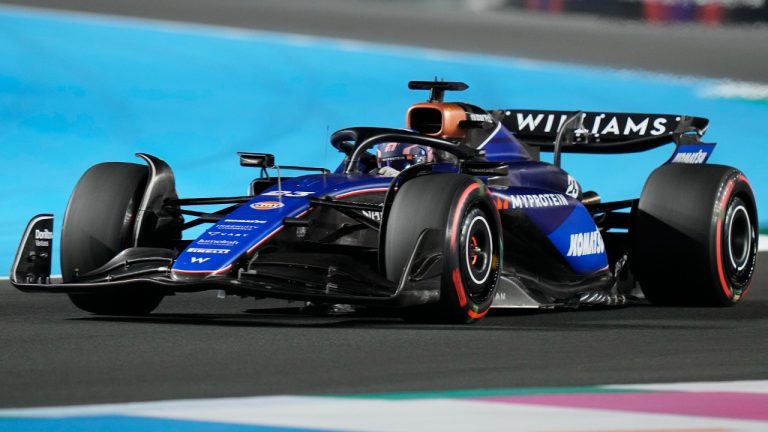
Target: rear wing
596	132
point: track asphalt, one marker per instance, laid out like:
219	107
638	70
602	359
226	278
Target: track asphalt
198	346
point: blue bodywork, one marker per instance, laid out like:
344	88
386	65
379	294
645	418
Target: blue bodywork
255	222
545	194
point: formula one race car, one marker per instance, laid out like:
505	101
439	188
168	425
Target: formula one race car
444	220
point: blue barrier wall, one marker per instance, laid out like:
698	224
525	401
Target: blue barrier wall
76	90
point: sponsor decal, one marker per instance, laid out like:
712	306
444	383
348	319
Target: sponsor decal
285	193
573	189
236	227
42	238
598	124
373	215
589	243
501	203
208	251
199	260
208	242
531	201
392	158
691	157
485	118
389	147
267	205
246	221
43	235
225	234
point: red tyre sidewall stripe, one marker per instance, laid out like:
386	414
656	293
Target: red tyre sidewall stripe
719	238
456	273
476	315
459	285
743	178
457	215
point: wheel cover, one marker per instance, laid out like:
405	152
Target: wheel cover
739	234
477	257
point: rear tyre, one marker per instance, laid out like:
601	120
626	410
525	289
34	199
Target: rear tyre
462	207
98	225
695	238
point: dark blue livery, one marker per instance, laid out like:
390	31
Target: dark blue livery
470	219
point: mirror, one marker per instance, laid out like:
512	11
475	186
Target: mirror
259	160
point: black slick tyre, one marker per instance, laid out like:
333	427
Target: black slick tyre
98	225
695	236
472	248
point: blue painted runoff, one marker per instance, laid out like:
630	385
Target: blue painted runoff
76	90
131	424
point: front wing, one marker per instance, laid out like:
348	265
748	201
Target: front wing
291	276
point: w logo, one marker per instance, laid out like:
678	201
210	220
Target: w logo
198	260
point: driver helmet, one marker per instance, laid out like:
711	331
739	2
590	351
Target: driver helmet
400	156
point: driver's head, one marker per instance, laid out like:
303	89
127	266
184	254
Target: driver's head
400	156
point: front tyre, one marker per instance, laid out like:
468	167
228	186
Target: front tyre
462	207
98	224
695	236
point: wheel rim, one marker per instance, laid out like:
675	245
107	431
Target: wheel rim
739	234
478	254
740	243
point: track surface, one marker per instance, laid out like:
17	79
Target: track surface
737	53
199	346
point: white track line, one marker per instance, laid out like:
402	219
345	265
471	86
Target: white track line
445	414
737	90
758	387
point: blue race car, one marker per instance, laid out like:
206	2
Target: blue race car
445	219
